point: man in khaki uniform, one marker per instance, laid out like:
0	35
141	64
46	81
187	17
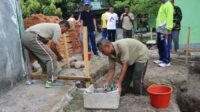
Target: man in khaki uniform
35	39
133	56
127	19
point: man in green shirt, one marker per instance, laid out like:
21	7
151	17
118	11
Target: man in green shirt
35	39
164	25
133	56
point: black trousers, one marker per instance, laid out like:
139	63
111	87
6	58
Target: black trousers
136	74
127	33
111	35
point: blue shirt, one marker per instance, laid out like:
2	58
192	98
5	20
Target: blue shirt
87	18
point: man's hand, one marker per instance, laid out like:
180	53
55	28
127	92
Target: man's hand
105	85
130	18
60	58
54	49
118	86
95	29
53	46
165	33
124	14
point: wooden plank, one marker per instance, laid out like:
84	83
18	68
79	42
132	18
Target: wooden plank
62	77
193	50
85	50
187	46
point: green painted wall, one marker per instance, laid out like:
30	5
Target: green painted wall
191	17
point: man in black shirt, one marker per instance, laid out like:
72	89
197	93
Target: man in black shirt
177	26
88	19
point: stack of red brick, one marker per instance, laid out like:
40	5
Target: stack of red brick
39	18
73	41
74	44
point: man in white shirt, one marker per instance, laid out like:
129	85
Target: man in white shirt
127	19
111	20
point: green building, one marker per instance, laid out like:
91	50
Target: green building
191	17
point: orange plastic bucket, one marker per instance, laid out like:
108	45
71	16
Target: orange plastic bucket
89	56
160	95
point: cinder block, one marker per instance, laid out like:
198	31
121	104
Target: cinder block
101	100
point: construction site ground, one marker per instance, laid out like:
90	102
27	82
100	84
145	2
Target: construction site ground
37	98
175	75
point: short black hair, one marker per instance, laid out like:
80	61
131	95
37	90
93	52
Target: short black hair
87	4
127	7
102	42
111	6
65	23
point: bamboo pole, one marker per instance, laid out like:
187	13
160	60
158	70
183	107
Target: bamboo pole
187	46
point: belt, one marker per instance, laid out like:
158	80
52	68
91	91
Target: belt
40	38
45	41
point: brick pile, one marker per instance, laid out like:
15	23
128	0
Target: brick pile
74	44
73	41
39	18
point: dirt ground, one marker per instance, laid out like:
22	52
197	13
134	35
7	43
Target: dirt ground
176	75
189	99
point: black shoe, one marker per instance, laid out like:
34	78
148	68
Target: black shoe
122	93
144	93
129	90
97	54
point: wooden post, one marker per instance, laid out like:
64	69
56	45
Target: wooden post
187	46
66	52
85	51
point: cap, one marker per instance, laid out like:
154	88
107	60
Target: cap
86	2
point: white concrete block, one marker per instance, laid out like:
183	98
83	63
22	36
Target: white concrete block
101	100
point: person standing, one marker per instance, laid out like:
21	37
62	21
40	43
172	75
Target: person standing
88	20
177	26
35	39
104	24
111	20
127	19
133	56
164	25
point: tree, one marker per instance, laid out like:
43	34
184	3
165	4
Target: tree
49	7
149	7
69	6
46	7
